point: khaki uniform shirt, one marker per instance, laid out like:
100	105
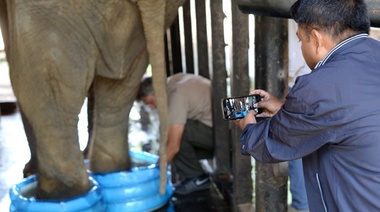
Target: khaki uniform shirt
189	97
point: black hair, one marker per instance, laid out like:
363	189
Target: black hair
335	17
146	88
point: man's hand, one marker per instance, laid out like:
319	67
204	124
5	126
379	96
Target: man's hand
248	119
270	104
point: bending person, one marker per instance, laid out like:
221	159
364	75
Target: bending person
190	127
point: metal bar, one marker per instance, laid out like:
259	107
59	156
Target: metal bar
281	8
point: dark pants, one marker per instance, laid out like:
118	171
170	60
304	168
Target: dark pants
196	144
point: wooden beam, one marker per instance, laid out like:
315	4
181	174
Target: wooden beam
281	8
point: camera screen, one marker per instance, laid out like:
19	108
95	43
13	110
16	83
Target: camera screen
238	107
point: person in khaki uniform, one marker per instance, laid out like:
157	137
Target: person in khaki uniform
190	127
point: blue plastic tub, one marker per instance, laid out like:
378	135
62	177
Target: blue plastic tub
136	190
22	199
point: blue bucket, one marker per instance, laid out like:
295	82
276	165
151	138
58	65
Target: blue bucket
135	190
23	200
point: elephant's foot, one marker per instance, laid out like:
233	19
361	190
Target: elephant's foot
99	166
30	168
109	157
50	189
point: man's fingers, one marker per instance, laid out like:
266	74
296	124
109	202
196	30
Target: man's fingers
258	92
263	104
264	115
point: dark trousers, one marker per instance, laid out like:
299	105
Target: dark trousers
196	143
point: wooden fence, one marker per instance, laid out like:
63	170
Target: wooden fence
200	48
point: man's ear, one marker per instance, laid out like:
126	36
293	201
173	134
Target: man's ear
317	38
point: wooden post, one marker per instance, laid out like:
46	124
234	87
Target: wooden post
240	84
222	136
4	25
176	46
271	38
168	59
202	46
188	38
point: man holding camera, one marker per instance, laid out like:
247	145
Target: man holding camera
190	127
331	117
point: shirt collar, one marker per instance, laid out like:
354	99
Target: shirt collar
342	43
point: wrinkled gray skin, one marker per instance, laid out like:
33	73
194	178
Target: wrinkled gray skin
56	50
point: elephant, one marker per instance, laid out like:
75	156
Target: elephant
56	50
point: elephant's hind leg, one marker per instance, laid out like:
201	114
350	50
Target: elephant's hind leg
109	143
113	100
